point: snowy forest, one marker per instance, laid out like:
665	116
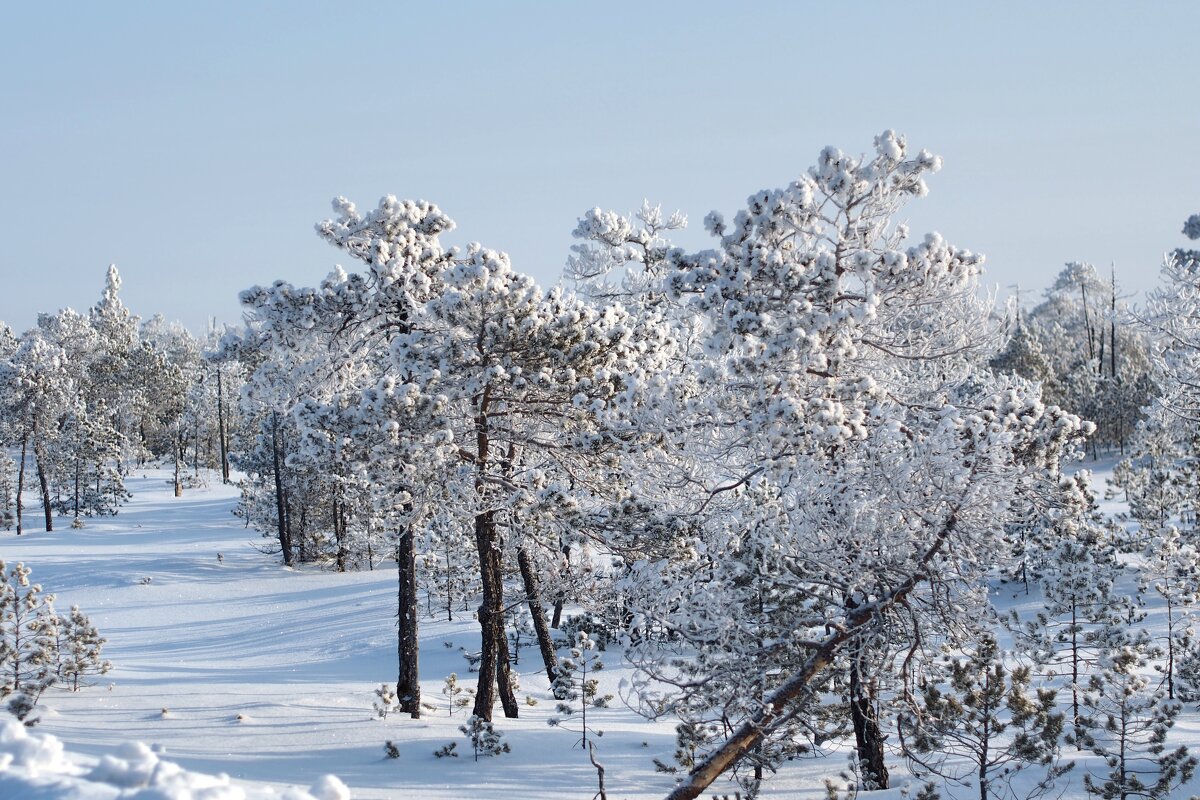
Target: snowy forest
808	513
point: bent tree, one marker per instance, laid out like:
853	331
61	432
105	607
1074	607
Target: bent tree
841	377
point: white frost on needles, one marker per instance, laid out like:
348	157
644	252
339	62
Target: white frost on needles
35	765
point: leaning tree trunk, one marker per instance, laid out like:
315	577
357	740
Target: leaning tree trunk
789	698
408	684
538	612
39	456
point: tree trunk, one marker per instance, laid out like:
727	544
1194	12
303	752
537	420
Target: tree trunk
39	457
786	700
339	535
408	684
285	543
221	427
179	456
534	599
21	480
504	679
491	612
868	738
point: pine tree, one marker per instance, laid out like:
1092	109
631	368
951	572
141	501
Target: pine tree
1127	723
575	684
484	738
78	649
28	639
985	724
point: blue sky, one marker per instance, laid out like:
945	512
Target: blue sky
196	144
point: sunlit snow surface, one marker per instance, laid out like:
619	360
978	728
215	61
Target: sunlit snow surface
240	667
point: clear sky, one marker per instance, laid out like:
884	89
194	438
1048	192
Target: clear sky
196	144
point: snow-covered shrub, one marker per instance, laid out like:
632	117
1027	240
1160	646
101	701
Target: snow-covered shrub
484	738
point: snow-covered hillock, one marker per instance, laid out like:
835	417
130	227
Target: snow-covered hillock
35	766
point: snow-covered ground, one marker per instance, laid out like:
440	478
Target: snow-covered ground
226	663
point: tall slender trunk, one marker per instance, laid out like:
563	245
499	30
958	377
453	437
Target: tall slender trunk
1112	328
491	612
21	480
1087	323
408	684
78	477
1170	649
179	456
285	543
534	598
221	427
40	458
339	534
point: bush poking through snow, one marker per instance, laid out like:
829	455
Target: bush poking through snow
447	751
485	739
385	700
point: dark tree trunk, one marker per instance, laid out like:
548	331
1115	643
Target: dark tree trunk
534	599
408	684
556	620
504	681
39	456
180	454
78	478
221	428
285	543
339	534
21	481
868	738
491	612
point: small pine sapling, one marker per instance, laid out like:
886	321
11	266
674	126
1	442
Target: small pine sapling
447	751
574	683
28	641
986	725
390	749
457	695
1171	568
484	738
1127	724
691	739
385	701
79	648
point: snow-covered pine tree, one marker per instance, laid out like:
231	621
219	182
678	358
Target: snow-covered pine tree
28	640
839	363
1171	569
1083	613
1127	724
575	684
485	739
984	724
39	391
78	649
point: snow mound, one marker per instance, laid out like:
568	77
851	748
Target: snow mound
35	766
